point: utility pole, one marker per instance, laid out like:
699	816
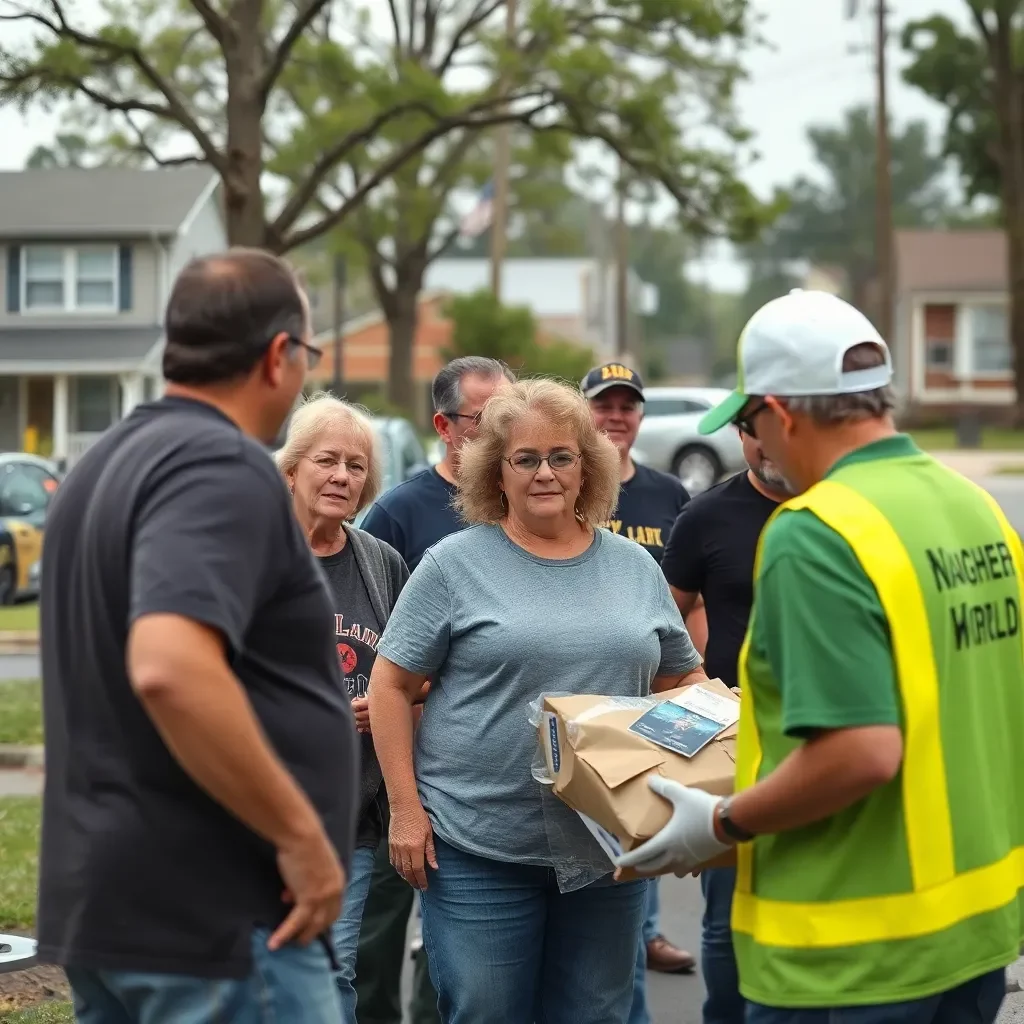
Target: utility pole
883	213
884	259
340	276
502	159
621	267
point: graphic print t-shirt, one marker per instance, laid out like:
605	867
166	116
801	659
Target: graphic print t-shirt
356	633
649	503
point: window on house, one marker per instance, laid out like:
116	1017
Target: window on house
991	339
44	277
94	404
70	278
938	354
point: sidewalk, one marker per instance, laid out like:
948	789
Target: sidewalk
977	465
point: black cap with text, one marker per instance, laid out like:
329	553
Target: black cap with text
611	375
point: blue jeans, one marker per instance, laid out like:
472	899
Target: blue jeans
638	1013
724	1004
974	1002
345	931
505	944
294	984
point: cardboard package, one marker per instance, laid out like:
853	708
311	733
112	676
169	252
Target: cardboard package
600	768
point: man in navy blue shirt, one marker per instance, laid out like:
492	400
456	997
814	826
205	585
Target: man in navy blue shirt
649	503
411	518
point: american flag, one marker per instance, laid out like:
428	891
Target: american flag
478	220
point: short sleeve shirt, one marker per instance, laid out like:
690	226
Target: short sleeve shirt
711	552
494	627
415	515
649	502
175	511
819	635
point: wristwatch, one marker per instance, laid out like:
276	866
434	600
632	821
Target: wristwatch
729	827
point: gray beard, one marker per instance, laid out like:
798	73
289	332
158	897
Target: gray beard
773	479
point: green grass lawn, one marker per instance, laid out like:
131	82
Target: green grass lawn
21	713
45	1013
19	862
939	439
20	617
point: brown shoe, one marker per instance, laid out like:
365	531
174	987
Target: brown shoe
664	957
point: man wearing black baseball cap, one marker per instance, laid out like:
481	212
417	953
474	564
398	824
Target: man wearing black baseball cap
649	503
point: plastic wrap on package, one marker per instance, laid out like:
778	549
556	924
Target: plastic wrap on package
577	858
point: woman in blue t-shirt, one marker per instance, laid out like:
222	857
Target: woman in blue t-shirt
521	917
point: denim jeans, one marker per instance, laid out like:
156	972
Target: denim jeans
650	928
638	1012
505	944
345	931
724	1004
974	1002
294	984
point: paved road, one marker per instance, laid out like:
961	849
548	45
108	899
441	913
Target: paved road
19	666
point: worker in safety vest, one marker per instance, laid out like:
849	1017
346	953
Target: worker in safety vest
879	805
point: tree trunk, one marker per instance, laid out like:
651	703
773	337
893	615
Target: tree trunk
401	315
245	213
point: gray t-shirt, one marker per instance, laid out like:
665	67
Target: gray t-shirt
493	627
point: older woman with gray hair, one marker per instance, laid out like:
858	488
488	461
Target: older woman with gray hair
332	464
521	917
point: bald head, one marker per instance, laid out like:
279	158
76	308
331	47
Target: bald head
224	311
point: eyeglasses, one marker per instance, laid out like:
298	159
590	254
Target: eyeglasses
746	421
327	464
313	354
474	416
529	462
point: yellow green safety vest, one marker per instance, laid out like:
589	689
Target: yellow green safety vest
947	906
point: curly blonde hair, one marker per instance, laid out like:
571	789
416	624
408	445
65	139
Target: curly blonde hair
319	413
479	496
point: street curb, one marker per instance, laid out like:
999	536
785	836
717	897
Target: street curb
13	755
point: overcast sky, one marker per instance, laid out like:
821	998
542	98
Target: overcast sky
806	75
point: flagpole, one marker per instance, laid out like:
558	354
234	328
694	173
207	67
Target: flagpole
502	159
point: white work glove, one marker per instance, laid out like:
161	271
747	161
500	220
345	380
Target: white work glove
687	841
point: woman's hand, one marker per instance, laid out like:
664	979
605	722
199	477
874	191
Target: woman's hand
411	844
361	708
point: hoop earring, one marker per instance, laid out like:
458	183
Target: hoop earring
504	502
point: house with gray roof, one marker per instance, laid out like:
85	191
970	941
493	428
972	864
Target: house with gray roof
87	259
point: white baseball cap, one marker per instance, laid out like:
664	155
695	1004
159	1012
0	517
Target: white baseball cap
794	346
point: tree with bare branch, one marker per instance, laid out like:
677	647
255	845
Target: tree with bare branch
306	108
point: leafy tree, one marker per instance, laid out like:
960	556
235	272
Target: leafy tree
832	222
305	109
68	150
482	326
978	76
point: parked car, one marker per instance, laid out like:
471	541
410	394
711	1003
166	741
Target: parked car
27	485
668	438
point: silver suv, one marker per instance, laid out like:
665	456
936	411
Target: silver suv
668	438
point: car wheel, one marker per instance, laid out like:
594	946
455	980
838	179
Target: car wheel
8	585
697	468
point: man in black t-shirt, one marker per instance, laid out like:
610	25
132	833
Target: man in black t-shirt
412	517
202	767
649	502
710	556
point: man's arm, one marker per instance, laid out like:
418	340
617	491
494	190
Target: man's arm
201	546
818	618
691	607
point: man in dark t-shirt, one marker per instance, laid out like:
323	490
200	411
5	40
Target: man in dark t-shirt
201	783
649	502
710	555
412	517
